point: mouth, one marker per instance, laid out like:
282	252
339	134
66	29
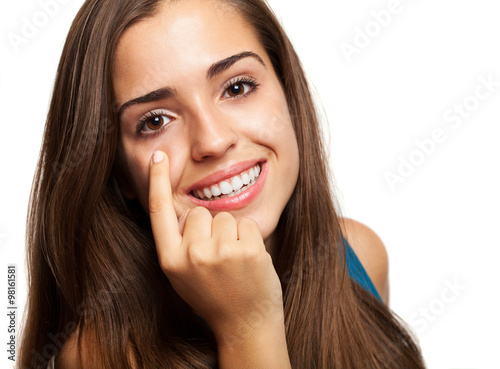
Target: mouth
229	187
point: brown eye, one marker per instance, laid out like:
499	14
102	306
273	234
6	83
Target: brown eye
240	88
156	122
236	90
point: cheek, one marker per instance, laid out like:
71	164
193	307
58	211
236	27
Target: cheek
137	156
273	128
138	168
264	117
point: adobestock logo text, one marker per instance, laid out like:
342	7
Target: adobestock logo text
429	313
365	34
454	117
31	26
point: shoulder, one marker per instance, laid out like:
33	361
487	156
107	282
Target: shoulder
371	252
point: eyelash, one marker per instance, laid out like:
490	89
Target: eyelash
142	122
242	80
158	113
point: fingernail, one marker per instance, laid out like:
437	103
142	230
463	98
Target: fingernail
157	157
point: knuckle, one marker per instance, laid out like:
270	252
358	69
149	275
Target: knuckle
168	265
226	251
247	222
224	216
197	256
225	219
199	211
252	254
157	204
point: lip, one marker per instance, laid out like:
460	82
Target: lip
221	175
233	202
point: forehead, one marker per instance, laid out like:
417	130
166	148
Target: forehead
180	41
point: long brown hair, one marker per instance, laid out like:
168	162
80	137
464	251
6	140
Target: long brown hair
91	257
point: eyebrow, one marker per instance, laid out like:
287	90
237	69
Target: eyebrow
215	69
159	94
222	65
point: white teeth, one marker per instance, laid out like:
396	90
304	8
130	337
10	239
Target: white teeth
207	192
236	183
225	188
229	187
215	190
245	178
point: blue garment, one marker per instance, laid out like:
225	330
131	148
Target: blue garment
357	272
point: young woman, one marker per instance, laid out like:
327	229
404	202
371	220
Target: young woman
181	213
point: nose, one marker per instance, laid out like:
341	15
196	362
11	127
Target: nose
212	133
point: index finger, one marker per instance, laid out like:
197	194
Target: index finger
161	208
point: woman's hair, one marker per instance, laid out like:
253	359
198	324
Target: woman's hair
91	256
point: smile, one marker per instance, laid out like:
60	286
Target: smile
229	187
232	189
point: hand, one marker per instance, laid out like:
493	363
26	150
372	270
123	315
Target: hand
219	266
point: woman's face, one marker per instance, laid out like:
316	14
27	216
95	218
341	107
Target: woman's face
195	82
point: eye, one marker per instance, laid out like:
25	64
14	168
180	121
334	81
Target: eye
240	88
153	121
156	123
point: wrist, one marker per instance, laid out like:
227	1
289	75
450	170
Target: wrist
261	346
249	326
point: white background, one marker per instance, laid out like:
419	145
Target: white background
439	223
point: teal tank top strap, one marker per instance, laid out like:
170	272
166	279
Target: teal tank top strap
357	272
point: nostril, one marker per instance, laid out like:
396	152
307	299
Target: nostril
212	140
